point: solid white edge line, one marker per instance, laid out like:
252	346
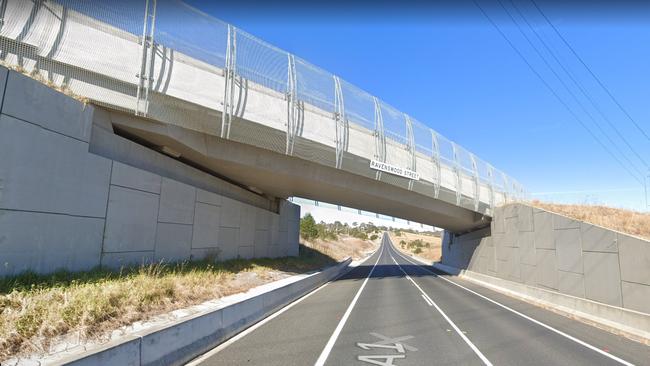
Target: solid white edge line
253	327
557	331
427	300
453	325
332	340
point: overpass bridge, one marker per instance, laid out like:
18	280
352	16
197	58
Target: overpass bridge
217	98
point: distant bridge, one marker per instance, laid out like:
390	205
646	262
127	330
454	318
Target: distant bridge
218	98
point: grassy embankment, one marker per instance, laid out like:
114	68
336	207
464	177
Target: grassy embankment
625	221
424	245
36	309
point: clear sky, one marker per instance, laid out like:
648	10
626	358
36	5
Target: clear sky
448	66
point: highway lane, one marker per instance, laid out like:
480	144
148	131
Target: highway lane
393	311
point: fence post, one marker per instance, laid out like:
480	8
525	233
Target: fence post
459	180
341	122
145	77
380	138
410	146
229	85
490	173
477	187
436	162
291	103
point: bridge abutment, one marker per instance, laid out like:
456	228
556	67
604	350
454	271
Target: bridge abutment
74	195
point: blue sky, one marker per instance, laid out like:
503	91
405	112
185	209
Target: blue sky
449	68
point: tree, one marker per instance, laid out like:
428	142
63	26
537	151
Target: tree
308	229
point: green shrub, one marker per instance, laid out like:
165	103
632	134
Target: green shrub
374	237
308	229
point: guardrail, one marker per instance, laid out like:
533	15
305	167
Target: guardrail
165	60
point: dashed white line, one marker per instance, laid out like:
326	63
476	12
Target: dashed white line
453	325
330	343
557	331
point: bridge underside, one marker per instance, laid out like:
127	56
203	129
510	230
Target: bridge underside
276	174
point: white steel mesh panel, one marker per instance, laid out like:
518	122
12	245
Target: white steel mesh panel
261	63
315	86
446	151
191	32
59	44
396	138
359	106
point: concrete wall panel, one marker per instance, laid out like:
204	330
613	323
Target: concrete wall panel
528	274
45	171
173	242
636	297
602	278
125	259
569	250
130	177
547	274
561	222
544	235
46	242
527	247
231	213
246	251
635	259
247	228
206	226
176	202
131	220
228	242
571	283
597	239
28	100
208	197
525	218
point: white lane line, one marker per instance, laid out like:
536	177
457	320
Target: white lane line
453	325
252	328
426	299
330	343
557	331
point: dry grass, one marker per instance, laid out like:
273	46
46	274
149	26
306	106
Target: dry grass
345	246
36	309
626	221
432	252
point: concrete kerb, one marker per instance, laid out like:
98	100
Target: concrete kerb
628	323
184	339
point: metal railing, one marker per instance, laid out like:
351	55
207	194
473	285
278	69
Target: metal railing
168	61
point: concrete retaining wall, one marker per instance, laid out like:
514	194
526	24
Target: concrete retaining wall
185	339
537	248
63	206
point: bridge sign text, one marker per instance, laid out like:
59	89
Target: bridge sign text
392	169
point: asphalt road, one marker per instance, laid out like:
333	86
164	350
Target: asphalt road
393	311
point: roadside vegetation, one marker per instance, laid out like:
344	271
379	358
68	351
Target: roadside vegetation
339	240
426	245
626	221
35	310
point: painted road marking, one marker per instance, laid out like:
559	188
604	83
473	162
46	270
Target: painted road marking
426	299
387	359
387	340
395	344
249	330
330	343
453	325
557	331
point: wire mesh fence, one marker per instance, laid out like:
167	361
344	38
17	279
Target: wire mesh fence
168	61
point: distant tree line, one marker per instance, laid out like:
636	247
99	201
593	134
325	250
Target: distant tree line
310	230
